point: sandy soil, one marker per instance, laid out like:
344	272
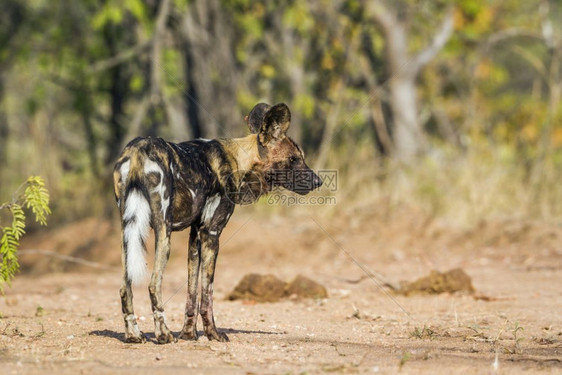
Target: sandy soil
70	322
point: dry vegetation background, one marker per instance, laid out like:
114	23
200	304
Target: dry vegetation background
442	118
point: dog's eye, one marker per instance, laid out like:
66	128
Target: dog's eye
293	159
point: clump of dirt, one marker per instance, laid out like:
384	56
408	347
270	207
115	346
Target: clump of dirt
259	288
269	288
455	280
303	287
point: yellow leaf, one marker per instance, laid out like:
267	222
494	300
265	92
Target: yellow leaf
484	18
267	71
458	19
529	132
557	138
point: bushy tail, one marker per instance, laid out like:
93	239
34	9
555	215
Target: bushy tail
136	221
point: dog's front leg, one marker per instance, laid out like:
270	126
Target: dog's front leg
209	252
189	330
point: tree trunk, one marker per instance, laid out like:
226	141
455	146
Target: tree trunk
403	69
210	72
190	94
118	93
407	134
407	137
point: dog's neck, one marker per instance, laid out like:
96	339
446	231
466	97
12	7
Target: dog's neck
244	151
246	157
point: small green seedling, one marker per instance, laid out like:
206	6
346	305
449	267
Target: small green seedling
516	337
40	311
405	358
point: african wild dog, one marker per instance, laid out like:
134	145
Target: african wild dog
172	186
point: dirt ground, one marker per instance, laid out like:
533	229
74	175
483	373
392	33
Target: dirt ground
60	317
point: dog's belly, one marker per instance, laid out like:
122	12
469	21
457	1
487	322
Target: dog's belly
186	205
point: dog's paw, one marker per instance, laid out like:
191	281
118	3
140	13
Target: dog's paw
166	338
217	336
189	335
135	339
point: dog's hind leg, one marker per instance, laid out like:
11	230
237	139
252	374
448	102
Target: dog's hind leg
132	331
189	330
161	331
159	188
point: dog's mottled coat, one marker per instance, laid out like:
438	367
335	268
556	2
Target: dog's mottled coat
171	186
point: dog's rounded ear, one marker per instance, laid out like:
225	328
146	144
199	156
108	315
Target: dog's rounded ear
276	122
255	118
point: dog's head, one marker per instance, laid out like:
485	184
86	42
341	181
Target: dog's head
282	158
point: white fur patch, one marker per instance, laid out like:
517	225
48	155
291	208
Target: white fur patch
153	167
165	205
192	193
177	225
137	212
204	139
125	171
213	232
160	314
164	202
210	208
177	174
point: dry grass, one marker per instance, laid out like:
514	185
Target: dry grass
461	189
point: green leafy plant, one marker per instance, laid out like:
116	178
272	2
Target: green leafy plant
33	195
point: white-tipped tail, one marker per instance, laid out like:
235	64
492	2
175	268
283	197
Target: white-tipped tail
137	219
